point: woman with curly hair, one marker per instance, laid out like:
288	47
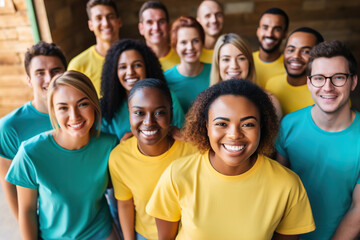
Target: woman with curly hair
191	76
233	59
127	62
230	189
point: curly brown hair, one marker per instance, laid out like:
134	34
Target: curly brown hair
195	130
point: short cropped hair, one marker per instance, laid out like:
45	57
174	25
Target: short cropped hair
82	83
333	49
278	11
185	22
43	49
153	5
195	128
317	35
241	44
92	3
215	1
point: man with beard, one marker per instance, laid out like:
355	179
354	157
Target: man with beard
290	87
272	29
211	17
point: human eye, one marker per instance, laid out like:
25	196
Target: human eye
306	51
339	77
84	104
265	27
138	65
225	59
62	108
220	124
248	124
122	67
138	113
39	73
242	58
183	42
111	16
160	113
290	50
318	78
277	29
196	40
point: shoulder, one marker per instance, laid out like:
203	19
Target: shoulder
38	142
275	81
186	164
106	139
82	57
171	71
207	67
293	117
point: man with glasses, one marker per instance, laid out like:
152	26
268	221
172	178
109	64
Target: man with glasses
290	87
321	143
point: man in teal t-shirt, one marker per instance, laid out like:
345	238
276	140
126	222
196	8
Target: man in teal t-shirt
321	143
42	62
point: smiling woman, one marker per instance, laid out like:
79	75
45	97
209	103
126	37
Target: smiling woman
65	170
230	178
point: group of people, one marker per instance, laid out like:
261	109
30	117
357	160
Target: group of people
173	138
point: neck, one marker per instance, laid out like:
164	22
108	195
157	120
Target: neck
190	69
269	57
70	142
333	122
210	42
156	149
160	50
296	81
39	105
103	47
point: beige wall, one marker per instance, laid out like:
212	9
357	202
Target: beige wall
67	20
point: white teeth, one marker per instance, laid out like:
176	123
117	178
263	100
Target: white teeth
295	64
233	74
132	80
328	97
268	40
234	148
77	125
149	133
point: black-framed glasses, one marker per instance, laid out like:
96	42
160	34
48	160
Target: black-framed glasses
338	79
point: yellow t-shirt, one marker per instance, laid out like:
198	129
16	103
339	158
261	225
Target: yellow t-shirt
291	98
135	175
90	63
267	70
251	206
206	55
170	60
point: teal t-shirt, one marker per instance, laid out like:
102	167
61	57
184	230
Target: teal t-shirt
119	124
187	88
328	164
71	185
20	125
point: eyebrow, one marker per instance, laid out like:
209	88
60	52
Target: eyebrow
137	60
139	107
241	119
224	55
300	47
80	100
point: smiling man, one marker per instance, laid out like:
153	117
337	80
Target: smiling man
105	23
210	15
321	144
272	29
290	87
42	62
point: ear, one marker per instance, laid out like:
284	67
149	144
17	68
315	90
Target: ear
90	25
141	28
354	82
28	79
308	83
120	23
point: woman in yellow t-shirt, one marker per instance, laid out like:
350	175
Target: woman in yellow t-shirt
137	163
230	189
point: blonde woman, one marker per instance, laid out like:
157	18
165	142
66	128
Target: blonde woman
232	59
65	169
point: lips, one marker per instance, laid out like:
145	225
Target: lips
295	64
77	126
131	80
235	74
149	133
234	148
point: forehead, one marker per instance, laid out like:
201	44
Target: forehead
224	106
229	49
301	39
329	66
65	93
207	7
148	97
101	10
45	62
272	20
187	33
153	14
130	55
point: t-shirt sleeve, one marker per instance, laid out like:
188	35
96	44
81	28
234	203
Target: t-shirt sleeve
122	192
298	218
178	113
74	64
9	141
164	202
280	141
22	171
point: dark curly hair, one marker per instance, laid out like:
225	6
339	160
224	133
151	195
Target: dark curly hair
112	92
195	130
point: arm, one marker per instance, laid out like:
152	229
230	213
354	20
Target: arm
126	213
166	230
8	188
278	236
27	213
282	160
349	227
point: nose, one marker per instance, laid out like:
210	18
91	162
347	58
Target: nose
74	113
48	76
234	132
156	26
328	85
269	32
212	18
129	70
234	64
189	45
148	119
105	21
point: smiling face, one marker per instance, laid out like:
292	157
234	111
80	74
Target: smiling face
328	98
234	134
211	17
150	118
297	53
131	69
271	32
232	63
154	27
189	44
104	23
73	112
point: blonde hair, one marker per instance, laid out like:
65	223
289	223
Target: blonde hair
241	44
82	83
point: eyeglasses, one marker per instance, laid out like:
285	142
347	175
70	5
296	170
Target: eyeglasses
338	79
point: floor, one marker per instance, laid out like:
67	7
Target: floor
9	229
